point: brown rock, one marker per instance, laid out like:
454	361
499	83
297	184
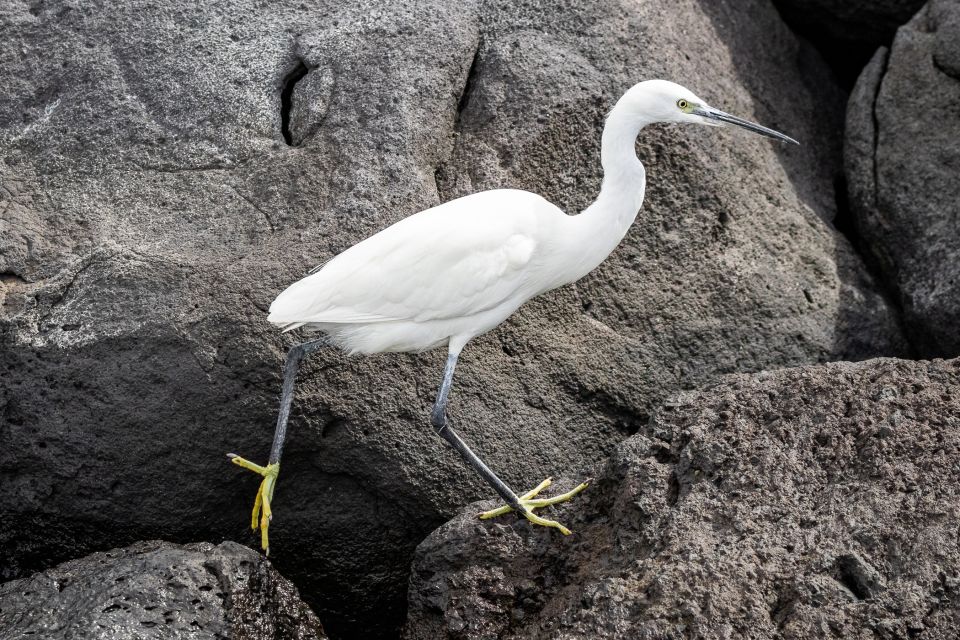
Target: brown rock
819	501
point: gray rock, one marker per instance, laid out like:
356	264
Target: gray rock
804	503
152	208
158	590
901	158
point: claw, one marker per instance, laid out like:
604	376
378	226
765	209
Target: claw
529	502
262	513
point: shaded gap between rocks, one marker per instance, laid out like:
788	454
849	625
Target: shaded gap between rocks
464	101
845	57
441	176
853	576
286	98
845	223
11	277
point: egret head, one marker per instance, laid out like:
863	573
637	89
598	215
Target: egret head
664	101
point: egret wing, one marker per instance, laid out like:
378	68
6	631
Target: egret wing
457	259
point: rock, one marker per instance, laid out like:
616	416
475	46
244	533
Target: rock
819	501
152	208
158	590
901	158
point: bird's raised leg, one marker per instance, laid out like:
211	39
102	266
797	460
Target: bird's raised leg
262	512
524	504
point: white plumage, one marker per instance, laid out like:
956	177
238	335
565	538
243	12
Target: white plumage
452	272
458	269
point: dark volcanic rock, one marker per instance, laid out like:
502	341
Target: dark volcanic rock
167	169
158	590
903	170
813	502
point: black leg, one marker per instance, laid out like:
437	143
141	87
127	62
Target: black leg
438	418
262	512
294	356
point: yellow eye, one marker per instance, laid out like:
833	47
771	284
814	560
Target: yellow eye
683	104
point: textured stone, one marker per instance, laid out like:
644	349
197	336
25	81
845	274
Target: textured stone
902	160
152	208
158	590
804	503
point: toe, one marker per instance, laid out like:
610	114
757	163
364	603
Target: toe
537	489
246	464
493	513
544	522
257	504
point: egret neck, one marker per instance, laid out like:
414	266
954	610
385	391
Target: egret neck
600	228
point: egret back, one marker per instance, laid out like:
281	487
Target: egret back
455	260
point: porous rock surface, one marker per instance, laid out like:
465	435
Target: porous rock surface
815	502
163	178
158	590
903	170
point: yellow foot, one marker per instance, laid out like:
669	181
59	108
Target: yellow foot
529	502
262	515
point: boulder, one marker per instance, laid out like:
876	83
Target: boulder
901	161
167	169
813	502
158	590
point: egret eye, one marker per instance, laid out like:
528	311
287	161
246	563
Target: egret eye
683	104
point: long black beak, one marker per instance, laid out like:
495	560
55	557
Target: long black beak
722	117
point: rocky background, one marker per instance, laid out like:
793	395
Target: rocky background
167	168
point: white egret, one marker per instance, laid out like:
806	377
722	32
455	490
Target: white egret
455	271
